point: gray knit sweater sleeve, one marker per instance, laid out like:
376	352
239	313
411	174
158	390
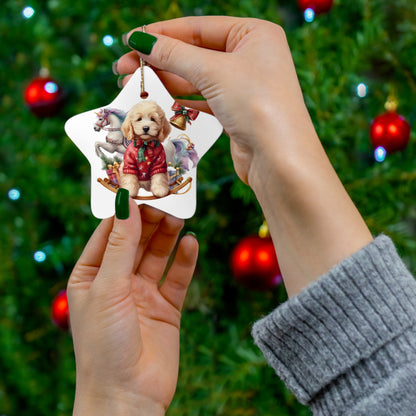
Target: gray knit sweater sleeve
346	345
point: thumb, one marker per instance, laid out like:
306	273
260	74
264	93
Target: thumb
120	253
188	61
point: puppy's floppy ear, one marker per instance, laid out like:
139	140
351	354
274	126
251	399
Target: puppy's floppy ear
165	128
127	128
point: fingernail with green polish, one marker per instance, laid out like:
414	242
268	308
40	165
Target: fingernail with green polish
142	42
114	67
122	204
120	81
191	233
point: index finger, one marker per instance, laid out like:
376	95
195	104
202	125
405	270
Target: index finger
93	252
209	32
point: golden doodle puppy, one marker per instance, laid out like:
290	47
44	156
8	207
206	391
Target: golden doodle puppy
144	163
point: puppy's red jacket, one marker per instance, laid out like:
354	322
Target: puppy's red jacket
145	159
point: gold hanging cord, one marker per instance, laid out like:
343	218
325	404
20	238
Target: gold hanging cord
143	93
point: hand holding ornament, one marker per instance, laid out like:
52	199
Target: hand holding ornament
125	324
244	70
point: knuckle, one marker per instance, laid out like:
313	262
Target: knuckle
168	54
115	240
280	32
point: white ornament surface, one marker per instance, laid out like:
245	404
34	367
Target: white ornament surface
203	132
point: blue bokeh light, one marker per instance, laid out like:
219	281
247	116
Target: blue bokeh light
108	40
362	90
39	256
14	194
380	154
309	15
51	87
28	12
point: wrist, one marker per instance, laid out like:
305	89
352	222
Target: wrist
283	155
313	222
115	404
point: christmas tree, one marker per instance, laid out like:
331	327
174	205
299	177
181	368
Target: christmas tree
350	60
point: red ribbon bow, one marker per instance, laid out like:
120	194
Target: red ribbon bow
180	110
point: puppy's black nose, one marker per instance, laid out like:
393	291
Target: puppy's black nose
146	129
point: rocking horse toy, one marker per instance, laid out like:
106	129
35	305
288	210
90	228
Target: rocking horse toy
110	120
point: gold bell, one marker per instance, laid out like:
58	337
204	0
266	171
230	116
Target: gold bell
179	122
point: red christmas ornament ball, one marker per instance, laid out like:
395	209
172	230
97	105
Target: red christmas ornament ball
390	131
44	97
318	6
254	263
60	310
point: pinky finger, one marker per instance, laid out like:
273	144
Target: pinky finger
179	277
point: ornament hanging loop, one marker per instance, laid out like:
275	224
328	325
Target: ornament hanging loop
143	93
264	230
391	103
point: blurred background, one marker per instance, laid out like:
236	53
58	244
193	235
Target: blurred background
352	58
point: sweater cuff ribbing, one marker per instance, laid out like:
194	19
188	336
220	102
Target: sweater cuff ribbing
345	317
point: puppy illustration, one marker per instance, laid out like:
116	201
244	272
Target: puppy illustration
144	163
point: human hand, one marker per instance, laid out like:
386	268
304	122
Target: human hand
125	320
244	70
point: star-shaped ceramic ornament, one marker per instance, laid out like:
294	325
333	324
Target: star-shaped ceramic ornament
98	134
